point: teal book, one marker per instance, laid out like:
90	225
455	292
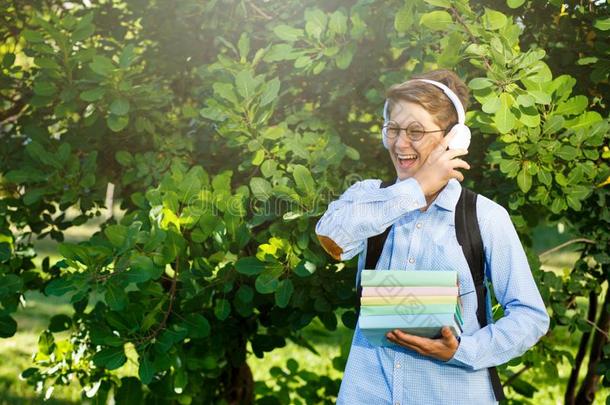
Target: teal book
408	309
374	328
405	278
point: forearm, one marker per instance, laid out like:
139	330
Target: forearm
364	211
498	343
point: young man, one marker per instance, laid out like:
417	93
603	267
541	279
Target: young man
419	208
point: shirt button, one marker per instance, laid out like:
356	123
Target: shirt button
411	260
418	225
396	403
397	365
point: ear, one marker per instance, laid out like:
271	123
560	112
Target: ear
461	137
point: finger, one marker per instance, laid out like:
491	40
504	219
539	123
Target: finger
417	341
403	343
453	153
460	164
447	139
457	175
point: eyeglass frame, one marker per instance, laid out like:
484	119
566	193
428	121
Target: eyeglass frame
423	132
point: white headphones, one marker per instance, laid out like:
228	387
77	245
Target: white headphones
462	132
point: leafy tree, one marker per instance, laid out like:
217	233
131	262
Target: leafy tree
224	129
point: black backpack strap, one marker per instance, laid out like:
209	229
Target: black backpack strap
374	247
469	237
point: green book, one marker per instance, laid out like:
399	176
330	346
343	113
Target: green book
399	278
407	309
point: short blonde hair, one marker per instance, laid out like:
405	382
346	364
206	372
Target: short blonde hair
431	97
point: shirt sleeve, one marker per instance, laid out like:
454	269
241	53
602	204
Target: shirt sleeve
525	317
365	210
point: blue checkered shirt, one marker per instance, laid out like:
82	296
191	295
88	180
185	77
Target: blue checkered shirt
425	240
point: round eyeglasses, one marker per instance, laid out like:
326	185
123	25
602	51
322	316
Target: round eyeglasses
415	131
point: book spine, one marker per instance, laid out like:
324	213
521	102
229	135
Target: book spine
389	291
402	278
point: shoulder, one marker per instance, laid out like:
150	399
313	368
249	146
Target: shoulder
490	214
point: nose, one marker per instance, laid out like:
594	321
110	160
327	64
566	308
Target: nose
402	140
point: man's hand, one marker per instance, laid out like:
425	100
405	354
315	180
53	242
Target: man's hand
440	167
442	349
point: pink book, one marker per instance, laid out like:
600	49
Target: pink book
392	291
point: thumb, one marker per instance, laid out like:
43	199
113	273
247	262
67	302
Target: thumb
446	332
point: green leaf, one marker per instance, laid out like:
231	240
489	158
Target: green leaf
117	123
146	370
127	56
44	88
515	3
303	180
270	92
602	24
510	167
142	269
584	120
110	358
287	33
266	283
115	296
120	106
222	309
8	326
338	23
504	118
116	234
261	188
436	20
439	3
479	83
102	65
59	287
245	293
493	20
130	391
198	326
524	180
249	266
245	83
545	177
526	100
315	22
567	152
32	36
60	323
243	45
572	106
93	94
283	293
344	58
404	17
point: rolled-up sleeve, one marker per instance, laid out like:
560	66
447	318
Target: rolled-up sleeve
365	210
525	318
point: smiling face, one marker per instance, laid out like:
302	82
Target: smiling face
407	155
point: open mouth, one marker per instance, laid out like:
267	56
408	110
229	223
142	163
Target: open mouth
407	160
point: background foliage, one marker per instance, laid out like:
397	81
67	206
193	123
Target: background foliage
224	128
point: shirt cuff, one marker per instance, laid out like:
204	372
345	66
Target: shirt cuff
410	193
460	357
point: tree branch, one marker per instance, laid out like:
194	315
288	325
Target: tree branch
568	243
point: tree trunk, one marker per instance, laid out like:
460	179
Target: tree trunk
240	385
586	393
580	355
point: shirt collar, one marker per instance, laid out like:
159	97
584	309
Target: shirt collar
448	197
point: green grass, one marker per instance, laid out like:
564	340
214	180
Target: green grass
16	352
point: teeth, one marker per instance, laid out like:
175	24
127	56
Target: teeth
407	156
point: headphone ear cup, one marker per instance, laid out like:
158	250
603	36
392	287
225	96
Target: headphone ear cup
461	140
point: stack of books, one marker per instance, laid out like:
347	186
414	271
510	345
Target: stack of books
419	302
